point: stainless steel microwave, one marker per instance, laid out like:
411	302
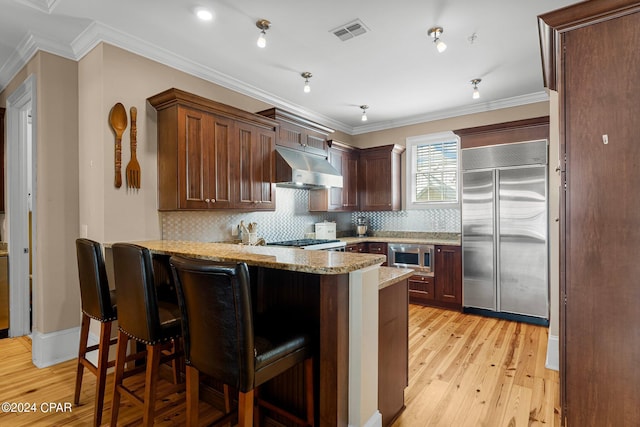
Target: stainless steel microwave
418	257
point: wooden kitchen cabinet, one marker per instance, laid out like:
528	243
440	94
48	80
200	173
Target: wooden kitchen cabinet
421	289
379	178
298	132
356	247
345	159
2	171
448	275
212	156
590	56
256	168
444	289
379	248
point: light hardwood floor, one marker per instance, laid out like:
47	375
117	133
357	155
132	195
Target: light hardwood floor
467	370
464	370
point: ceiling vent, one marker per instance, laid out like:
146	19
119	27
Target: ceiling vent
350	30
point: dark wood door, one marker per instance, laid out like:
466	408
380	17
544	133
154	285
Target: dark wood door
194	130
600	343
1	160
375	169
222	160
448	272
256	169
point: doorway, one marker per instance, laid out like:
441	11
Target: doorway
21	231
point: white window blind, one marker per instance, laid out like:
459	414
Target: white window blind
432	170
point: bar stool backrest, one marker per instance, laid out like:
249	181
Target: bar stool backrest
137	299
217	322
94	286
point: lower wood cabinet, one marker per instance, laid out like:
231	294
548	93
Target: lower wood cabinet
379	248
393	350
356	247
444	289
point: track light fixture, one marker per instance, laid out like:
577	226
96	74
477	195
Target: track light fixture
435	32
364	112
306	76
476	92
263	25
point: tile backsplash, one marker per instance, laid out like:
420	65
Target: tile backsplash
292	220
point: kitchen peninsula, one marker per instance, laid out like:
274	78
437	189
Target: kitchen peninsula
336	295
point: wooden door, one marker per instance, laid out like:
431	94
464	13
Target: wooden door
255	184
600	335
222	162
448	273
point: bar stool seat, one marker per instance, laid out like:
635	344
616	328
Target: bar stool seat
222	340
143	318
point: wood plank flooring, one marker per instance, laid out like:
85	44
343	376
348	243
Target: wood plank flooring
464	370
467	370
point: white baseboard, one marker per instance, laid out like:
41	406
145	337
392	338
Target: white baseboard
553	353
55	347
374	421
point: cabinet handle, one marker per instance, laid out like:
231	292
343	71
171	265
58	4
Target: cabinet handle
207	200
213	200
439	250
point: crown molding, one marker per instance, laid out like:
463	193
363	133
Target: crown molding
515	101
25	50
97	33
45	6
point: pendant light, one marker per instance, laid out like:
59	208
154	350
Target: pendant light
435	32
364	112
476	92
263	25
306	76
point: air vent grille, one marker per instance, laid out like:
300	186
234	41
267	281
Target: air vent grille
350	30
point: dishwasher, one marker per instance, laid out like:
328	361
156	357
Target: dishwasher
4	297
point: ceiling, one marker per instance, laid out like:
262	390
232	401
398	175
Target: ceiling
394	67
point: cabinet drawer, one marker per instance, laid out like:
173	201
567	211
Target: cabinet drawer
421	287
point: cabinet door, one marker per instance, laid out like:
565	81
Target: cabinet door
448	273
379	248
376	187
350	184
255	178
315	142
356	247
194	130
221	158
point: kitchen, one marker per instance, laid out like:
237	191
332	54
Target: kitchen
107	214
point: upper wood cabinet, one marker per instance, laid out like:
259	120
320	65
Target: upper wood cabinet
379	178
299	133
212	156
1	159
256	168
345	159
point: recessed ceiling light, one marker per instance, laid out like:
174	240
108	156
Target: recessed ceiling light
204	14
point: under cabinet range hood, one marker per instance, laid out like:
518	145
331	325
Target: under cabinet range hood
297	169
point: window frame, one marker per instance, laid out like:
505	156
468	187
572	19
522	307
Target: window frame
411	166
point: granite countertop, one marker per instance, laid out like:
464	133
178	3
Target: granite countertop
408	240
281	258
391	275
4	252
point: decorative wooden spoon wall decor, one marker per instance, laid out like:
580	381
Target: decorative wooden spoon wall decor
118	122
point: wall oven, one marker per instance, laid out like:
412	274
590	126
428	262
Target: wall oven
417	257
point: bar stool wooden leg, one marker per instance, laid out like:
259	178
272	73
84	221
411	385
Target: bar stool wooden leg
121	357
193	379
245	409
101	371
151	383
82	351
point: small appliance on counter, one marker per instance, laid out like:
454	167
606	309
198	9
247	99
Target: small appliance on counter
362	224
325	230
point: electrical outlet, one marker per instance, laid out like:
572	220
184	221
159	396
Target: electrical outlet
234	230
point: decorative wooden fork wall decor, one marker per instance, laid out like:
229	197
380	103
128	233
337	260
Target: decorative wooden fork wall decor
133	167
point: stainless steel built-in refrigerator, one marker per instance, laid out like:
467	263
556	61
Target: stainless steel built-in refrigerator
504	230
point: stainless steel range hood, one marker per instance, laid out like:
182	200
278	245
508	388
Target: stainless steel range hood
297	169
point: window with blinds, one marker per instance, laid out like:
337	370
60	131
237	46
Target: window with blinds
432	169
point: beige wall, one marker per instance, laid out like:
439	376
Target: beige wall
75	140
56	293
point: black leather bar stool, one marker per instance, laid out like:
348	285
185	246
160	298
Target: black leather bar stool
143	318
98	303
221	339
